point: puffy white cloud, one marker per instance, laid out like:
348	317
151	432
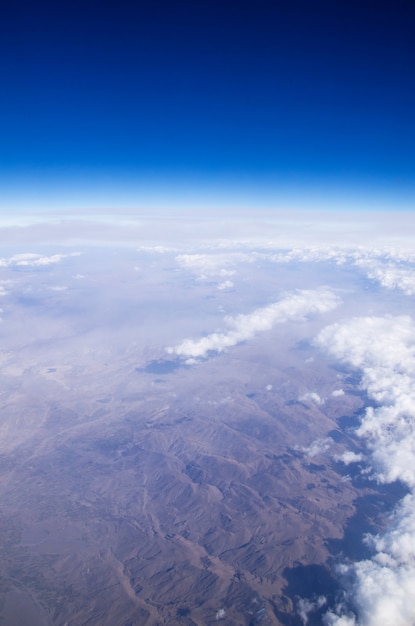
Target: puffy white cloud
313	396
295	306
348	457
383	348
337	393
339	619
383	587
311	255
392	276
393	269
319	446
33	259
215	264
305	607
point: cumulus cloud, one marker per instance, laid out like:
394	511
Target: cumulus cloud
337	393
312	255
349	457
305	607
295	306
319	446
33	259
393	269
219	263
313	396
390	275
383	349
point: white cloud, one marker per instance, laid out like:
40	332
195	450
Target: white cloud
390	275
338	618
337	393
227	284
33	259
295	306
348	457
383	348
393	269
158	249
313	396
311	255
305	607
218	264
212	262
319	446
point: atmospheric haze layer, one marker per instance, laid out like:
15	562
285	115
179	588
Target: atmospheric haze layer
207	421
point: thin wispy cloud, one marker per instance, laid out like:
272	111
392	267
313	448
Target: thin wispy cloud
34	260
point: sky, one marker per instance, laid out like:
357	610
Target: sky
207	105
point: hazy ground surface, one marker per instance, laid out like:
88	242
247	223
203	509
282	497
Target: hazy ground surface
172	428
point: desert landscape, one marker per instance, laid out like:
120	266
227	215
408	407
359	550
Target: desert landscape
141	487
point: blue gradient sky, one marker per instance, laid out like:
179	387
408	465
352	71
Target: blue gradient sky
207	104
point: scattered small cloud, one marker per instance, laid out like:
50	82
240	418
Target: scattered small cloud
348	457
305	607
191	361
311	396
319	446
337	393
215	264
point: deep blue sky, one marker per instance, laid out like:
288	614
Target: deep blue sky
135	104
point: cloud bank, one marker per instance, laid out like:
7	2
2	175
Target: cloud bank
383	349
393	269
295	306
